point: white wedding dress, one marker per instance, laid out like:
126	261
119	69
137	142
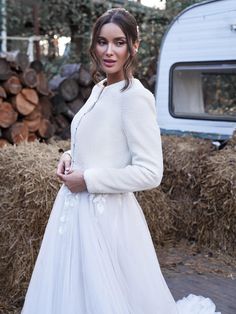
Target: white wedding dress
97	257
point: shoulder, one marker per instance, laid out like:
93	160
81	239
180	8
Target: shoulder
137	88
137	97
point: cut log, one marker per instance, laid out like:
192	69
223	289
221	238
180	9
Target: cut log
2	92
3	142
5	70
22	105
32	137
37	66
42	84
85	92
45	107
33	125
17	133
68	69
83	77
29	78
8	115
55	82
12	85
30	95
69	89
76	104
18	60
46	129
35	114
62	127
60	107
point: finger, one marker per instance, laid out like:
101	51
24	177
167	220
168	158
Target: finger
61	176
60	168
67	165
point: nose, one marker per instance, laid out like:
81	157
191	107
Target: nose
109	50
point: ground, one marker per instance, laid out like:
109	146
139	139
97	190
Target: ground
201	272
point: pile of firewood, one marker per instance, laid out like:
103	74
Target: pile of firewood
30	108
71	88
25	108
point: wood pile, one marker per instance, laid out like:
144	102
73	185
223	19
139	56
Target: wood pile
29	108
71	88
25	109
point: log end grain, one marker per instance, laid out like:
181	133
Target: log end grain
17	133
46	129
8	115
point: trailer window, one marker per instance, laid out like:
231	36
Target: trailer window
203	91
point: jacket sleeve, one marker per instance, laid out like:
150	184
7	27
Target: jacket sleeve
144	142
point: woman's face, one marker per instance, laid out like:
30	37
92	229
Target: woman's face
112	52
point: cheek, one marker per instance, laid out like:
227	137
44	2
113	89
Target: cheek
124	54
99	50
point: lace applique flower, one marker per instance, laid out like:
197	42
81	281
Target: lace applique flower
99	201
69	203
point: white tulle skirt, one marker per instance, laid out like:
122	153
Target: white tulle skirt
97	257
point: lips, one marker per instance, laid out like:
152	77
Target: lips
109	62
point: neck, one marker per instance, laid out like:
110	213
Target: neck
115	78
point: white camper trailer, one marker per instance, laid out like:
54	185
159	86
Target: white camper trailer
196	75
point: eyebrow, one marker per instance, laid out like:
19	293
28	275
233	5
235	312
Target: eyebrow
116	38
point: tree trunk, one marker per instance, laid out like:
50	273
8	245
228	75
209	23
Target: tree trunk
8	115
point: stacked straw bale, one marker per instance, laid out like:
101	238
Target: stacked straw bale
216	212
28	185
202	181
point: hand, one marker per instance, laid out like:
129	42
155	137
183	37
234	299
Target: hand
74	180
64	164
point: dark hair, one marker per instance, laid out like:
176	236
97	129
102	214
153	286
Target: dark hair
128	25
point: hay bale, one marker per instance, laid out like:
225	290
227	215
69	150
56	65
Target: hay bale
28	186
216	213
161	214
202	181
196	201
182	157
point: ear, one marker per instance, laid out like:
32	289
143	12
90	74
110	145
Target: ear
135	47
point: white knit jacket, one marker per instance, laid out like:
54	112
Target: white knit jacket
116	140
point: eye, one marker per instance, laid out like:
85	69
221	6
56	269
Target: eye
120	43
101	42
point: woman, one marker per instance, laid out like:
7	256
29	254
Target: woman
97	256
